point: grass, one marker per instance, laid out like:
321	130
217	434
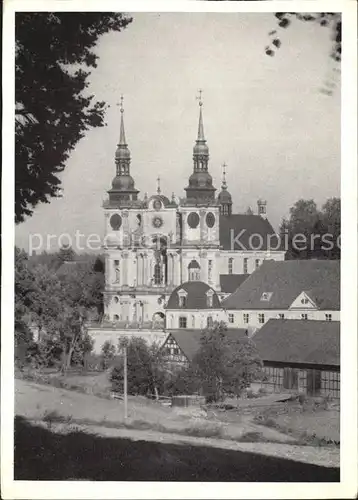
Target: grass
293	425
38	402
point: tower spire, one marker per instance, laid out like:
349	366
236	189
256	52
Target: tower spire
201	137
123	188
224	183
224	197
200	182
122	135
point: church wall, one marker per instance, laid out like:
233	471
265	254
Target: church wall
238	264
101	335
133	307
202	233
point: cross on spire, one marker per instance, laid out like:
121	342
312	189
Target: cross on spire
199	97
121	108
158	188
224	165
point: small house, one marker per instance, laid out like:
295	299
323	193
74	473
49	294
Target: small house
303	356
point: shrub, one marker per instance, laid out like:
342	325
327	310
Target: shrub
108	352
53	416
252	437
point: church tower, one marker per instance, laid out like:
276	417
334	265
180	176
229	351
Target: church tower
200	186
123	188
224	197
199	215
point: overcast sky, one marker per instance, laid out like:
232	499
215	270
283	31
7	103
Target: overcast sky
265	117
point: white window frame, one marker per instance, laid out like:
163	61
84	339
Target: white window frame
231	318
245	265
185	321
230	265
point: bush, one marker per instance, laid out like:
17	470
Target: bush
181	381
53	416
108	352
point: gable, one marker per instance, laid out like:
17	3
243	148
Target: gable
172	351
303	301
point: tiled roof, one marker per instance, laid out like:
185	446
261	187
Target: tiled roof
232	225
196	296
189	340
286	280
230	282
299	341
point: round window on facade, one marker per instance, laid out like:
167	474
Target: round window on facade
116	222
193	220
210	219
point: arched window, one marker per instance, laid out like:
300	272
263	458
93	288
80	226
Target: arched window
194	271
209	298
116	317
157	274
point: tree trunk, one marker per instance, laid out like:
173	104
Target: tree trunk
156	393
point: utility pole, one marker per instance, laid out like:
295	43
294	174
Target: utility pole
125	388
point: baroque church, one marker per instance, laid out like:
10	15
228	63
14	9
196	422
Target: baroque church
159	247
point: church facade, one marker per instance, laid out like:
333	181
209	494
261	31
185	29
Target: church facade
156	243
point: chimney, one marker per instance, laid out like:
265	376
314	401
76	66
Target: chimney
261	208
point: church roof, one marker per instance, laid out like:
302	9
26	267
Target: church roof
230	282
231	226
285	280
297	341
196	296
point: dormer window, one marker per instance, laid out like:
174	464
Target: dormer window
182	301
209	298
182	298
266	296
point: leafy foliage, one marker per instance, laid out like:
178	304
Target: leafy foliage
145	374
225	365
108	352
325	19
332	21
56	304
53	111
321	229
66	253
